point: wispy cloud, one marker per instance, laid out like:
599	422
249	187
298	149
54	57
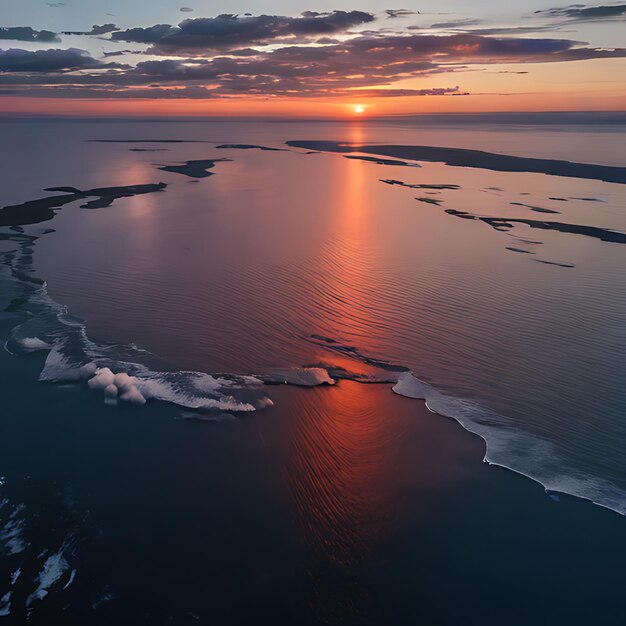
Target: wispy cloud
396	13
583	12
103	29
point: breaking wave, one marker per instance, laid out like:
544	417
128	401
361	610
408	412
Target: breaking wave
119	373
506	446
521	452
128	374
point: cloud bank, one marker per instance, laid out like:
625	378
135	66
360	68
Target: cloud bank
231	31
45	61
582	12
26	33
316	54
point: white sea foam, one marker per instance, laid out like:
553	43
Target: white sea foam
301	376
12	533
34	344
521	452
104	598
60	368
74	358
134	383
102	379
5	604
110	395
15	575
51	572
116	386
70	579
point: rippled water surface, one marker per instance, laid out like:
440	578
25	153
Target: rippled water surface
235	272
293	258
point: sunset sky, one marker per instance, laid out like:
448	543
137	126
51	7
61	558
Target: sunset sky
195	57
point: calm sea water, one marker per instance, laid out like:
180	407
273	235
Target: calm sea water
315	509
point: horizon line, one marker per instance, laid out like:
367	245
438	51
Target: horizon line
599	116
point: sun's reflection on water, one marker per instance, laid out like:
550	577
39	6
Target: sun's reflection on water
339	477
341	450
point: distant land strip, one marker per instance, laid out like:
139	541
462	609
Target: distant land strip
43	209
504	223
460	157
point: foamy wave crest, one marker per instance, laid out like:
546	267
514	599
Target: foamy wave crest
36	562
53	569
12	531
34	344
519	451
300	376
122	374
513	449
122	381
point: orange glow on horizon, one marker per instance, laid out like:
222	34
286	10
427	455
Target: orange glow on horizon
585	85
310	107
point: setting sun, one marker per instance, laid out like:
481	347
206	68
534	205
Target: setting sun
359	108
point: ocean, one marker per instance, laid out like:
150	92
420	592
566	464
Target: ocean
222	339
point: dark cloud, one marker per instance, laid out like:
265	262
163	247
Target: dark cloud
465	47
95	30
16	60
186	9
396	93
393	13
244	52
469	26
26	33
119	53
158	91
511	30
582	12
226	31
457	23
102	29
371	64
151	34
